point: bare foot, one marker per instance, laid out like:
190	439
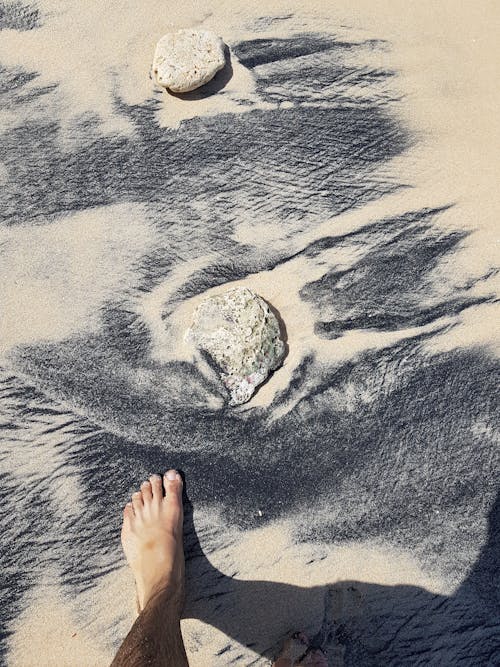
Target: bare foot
152	538
297	653
314	658
293	650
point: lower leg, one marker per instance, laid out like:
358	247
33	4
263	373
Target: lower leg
153	544
155	639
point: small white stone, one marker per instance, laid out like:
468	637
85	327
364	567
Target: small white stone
242	335
187	59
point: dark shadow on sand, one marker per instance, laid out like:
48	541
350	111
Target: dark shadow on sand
364	625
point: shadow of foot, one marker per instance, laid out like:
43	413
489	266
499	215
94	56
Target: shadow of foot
359	623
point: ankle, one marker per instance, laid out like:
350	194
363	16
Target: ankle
168	590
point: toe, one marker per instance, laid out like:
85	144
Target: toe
301	637
172	482
137	503
147	493
156	487
128	512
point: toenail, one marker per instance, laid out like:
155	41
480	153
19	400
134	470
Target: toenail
155	476
171	475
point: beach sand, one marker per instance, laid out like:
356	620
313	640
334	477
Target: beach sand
149	244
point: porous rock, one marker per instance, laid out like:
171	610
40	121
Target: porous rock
187	59
242	336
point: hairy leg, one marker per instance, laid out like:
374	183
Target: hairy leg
153	544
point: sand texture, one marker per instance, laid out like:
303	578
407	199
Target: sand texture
344	166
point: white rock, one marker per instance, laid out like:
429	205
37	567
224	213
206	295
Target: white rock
187	59
242	335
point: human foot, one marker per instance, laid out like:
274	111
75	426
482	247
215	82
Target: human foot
152	538
293	650
296	652
314	658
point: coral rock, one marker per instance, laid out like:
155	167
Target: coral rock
242	336
187	59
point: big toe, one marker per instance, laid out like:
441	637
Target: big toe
172	482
